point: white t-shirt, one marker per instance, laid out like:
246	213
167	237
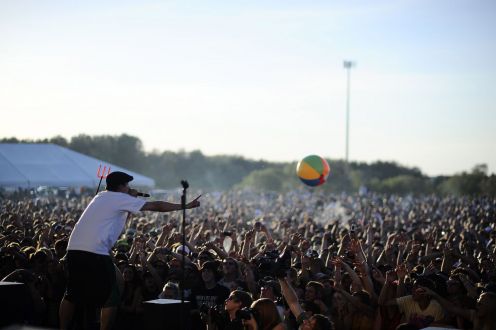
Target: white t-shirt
103	221
417	316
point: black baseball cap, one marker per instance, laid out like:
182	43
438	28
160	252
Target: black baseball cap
117	178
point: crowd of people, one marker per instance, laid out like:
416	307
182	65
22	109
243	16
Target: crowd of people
299	260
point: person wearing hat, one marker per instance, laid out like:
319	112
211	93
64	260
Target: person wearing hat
91	278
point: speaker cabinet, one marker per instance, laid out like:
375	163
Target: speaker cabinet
161	314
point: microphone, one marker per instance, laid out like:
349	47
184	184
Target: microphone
140	194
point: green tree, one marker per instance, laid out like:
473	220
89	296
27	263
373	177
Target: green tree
475	183
59	140
226	171
402	184
123	150
271	179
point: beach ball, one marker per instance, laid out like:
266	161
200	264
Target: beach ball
313	170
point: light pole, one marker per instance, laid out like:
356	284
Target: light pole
348	65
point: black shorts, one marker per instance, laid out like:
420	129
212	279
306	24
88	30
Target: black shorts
91	279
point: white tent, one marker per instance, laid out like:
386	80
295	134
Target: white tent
30	165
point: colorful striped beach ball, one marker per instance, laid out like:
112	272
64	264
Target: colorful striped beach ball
313	170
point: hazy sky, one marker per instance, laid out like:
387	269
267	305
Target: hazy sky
262	79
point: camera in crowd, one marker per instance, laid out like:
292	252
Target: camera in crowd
283	264
273	264
215	313
246	313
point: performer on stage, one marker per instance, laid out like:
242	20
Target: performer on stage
91	272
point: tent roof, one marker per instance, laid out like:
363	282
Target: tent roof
29	165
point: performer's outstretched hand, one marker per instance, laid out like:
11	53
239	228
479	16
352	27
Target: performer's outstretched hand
194	203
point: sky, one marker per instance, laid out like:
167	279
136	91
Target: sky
260	79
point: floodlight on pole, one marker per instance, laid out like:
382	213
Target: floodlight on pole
348	65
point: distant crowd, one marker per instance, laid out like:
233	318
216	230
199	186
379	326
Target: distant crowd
276	261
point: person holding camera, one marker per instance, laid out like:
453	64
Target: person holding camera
237	301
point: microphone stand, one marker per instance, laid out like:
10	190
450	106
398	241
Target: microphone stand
185	185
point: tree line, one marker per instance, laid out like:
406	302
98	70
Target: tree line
223	172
